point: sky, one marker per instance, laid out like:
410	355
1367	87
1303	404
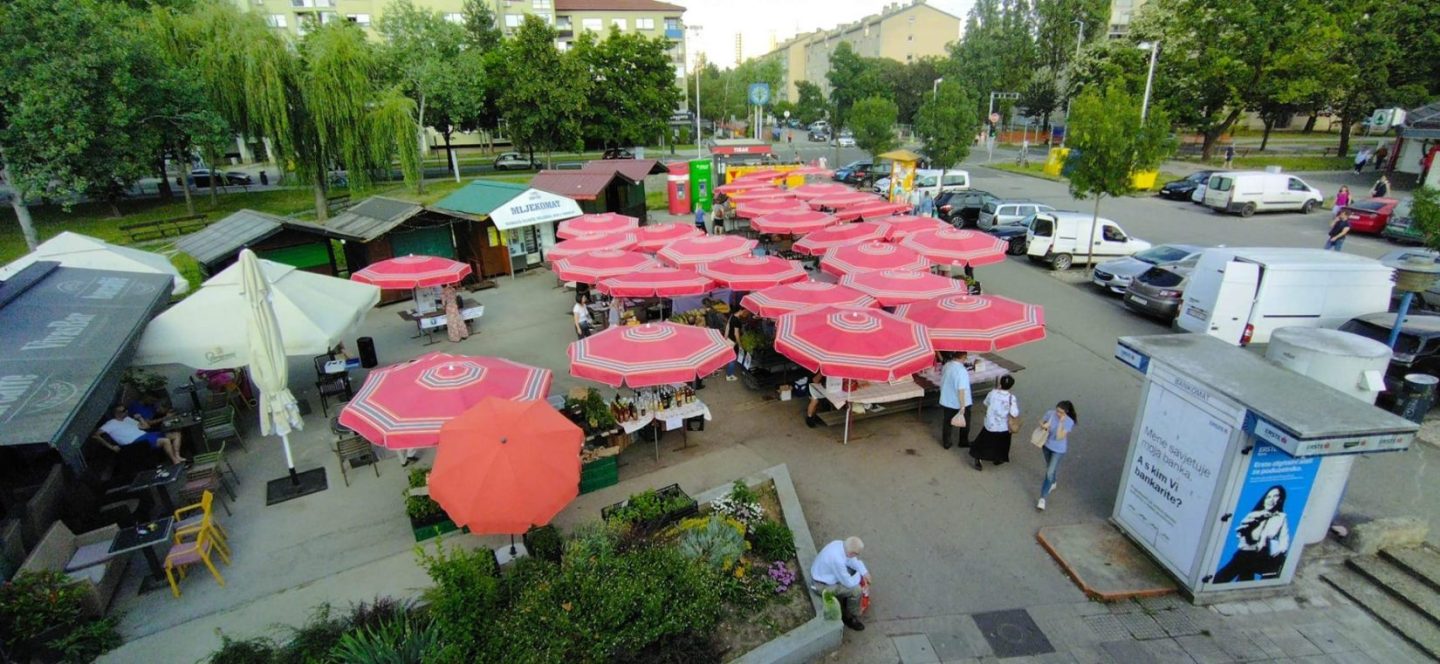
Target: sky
758	21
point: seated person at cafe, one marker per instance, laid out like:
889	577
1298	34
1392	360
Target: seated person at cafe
126	430
147	408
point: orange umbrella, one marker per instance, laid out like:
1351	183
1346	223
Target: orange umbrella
504	466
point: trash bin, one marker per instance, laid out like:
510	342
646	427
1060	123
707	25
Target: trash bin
1072	159
366	346
1417	396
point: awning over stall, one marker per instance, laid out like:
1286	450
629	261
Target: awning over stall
68	335
534	207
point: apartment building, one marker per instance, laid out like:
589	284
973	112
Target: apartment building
1121	13
901	32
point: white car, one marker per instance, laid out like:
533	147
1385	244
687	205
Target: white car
1247	192
845	140
1062	239
927	179
513	161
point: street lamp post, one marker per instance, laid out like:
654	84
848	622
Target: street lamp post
1079	42
698	143
935	88
1154	48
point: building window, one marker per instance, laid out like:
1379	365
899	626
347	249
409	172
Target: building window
513	20
362	20
672	24
619	23
562	23
562	45
458	19
543	4
592	24
644	24
275	20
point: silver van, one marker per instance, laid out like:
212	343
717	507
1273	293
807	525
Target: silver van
1007	213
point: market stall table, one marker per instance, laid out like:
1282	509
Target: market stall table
428	324
145	537
918	391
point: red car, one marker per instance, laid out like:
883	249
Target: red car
1370	215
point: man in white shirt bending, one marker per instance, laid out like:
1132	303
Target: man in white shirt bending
839	570
126	431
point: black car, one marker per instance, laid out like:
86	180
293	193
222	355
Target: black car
819	135
1180	190
859	173
618	153
1014	235
200	177
961	208
1417	349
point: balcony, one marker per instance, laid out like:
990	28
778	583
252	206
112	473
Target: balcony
674	33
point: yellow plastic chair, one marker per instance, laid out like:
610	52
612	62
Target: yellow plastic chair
185	554
191	519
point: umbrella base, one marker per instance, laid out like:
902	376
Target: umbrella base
504	556
295	485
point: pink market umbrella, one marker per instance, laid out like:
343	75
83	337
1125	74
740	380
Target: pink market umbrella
809	170
656	281
591	242
592	266
760	208
950	246
794	221
649	354
740	185
608	222
412	272
905	224
652	238
818	189
869	211
752	273
977	323
760	192
843	200
894	287
697	250
777	301
764	175
870	256
404	405
821	241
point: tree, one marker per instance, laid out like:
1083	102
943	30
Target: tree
545	91
634	88
1113	144
810	105
944	123
481	31
1384	56
873	121
421	50
1425	213
853	78
914	83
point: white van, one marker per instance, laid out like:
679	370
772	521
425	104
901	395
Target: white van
1062	239
1248	192
1242	295
931	180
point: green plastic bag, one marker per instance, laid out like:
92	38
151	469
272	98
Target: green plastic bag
832	605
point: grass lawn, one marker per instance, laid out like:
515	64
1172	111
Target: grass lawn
1036	169
1289	164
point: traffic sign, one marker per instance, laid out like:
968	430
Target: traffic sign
759	93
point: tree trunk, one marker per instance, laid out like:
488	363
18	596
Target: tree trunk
214	185
1212	135
1265	138
1090	242
1346	122
322	206
420	139
189	200
163	189
22	211
115	212
450	152
1310	122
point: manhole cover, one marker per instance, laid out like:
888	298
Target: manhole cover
1012	633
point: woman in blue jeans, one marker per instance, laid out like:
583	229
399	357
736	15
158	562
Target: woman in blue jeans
1057	424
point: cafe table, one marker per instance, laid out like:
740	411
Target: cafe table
145	537
157	480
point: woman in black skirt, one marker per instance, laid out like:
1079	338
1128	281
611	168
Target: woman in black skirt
993	443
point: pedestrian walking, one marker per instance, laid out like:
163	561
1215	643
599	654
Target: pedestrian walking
1380	154
1381	188
1360	158
264	177
1229	157
955	400
1002	416
1342	198
927	204
817	392
1339	230
1057	426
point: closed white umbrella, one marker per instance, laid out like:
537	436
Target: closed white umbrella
279	414
208	329
76	250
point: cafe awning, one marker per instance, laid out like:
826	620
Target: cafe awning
68	335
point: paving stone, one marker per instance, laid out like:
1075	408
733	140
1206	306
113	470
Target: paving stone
1177	623
1239	646
1265	646
1316	659
1292	642
1131	652
1353	657
1327	637
954	646
1108	628
915	649
1282	604
1204	649
1231	608
1142	626
1092	655
1123	606
1167	650
1067	633
1163	603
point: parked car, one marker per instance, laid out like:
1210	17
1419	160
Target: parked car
1007	212
962	208
819	134
1181	190
1159	290
857	172
1401	228
200	177
1115	275
1247	192
1417	350
1061	239
931	179
1371	214
617	153
1014	235
846	139
513	161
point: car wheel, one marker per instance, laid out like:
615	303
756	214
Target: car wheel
1016	247
1061	262
1248	210
1308	207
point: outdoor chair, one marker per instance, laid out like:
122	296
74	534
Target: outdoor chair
354	448
218	425
185	554
215	461
191	519
330	386
196	485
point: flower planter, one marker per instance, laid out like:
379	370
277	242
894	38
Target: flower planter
433	527
691	508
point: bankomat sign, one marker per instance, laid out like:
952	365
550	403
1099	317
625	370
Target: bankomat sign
1137	360
1265	430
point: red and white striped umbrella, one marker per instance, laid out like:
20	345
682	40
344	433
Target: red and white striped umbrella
777	301
656	281
794	221
840	235
977	323
895	287
764	206
818	189
870	256
649	354
854	344
404	405
412	272
752	273
651	238
948	246
765	175
763	192
591	242
869	211
905	224
843	200
809	170
592	266
743	185
608	222
697	250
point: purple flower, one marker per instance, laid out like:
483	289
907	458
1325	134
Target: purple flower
781	575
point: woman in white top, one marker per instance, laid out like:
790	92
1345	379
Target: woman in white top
993	443
581	313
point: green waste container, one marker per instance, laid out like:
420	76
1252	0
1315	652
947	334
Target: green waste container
1417	396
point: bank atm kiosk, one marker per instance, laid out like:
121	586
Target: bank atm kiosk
1224	460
